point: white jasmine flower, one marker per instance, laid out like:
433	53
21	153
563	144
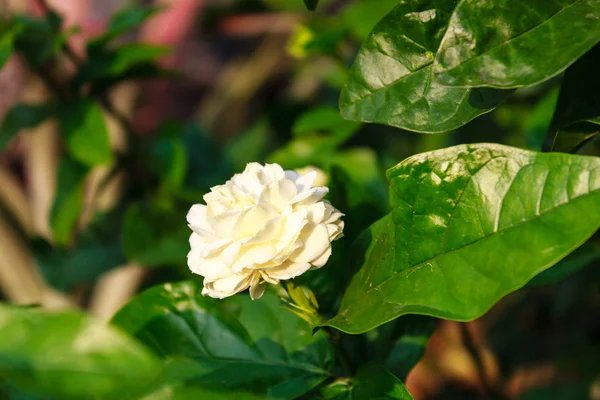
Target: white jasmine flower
263	225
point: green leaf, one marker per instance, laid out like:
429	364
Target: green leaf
469	225
233	344
124	21
578	105
574	262
153	238
509	44
391	81
69	356
23	116
83	127
371	382
68	202
311	4
325	121
8	34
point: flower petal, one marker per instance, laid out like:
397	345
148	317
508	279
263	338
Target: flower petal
322	260
252	256
257	287
211	268
279	194
305	182
251	221
312	196
228	286
288	270
224	223
316	241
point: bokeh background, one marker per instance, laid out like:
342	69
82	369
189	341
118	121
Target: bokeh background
259	80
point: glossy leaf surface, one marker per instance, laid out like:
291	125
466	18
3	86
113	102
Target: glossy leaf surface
469	224
70	356
258	347
577	260
508	44
391	81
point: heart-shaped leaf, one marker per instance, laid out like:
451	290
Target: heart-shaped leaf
469	224
509	44
391	81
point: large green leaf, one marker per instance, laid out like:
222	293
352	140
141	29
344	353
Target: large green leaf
233	344
469	224
69	356
23	116
578	104
577	260
372	382
83	126
391	81
508	43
